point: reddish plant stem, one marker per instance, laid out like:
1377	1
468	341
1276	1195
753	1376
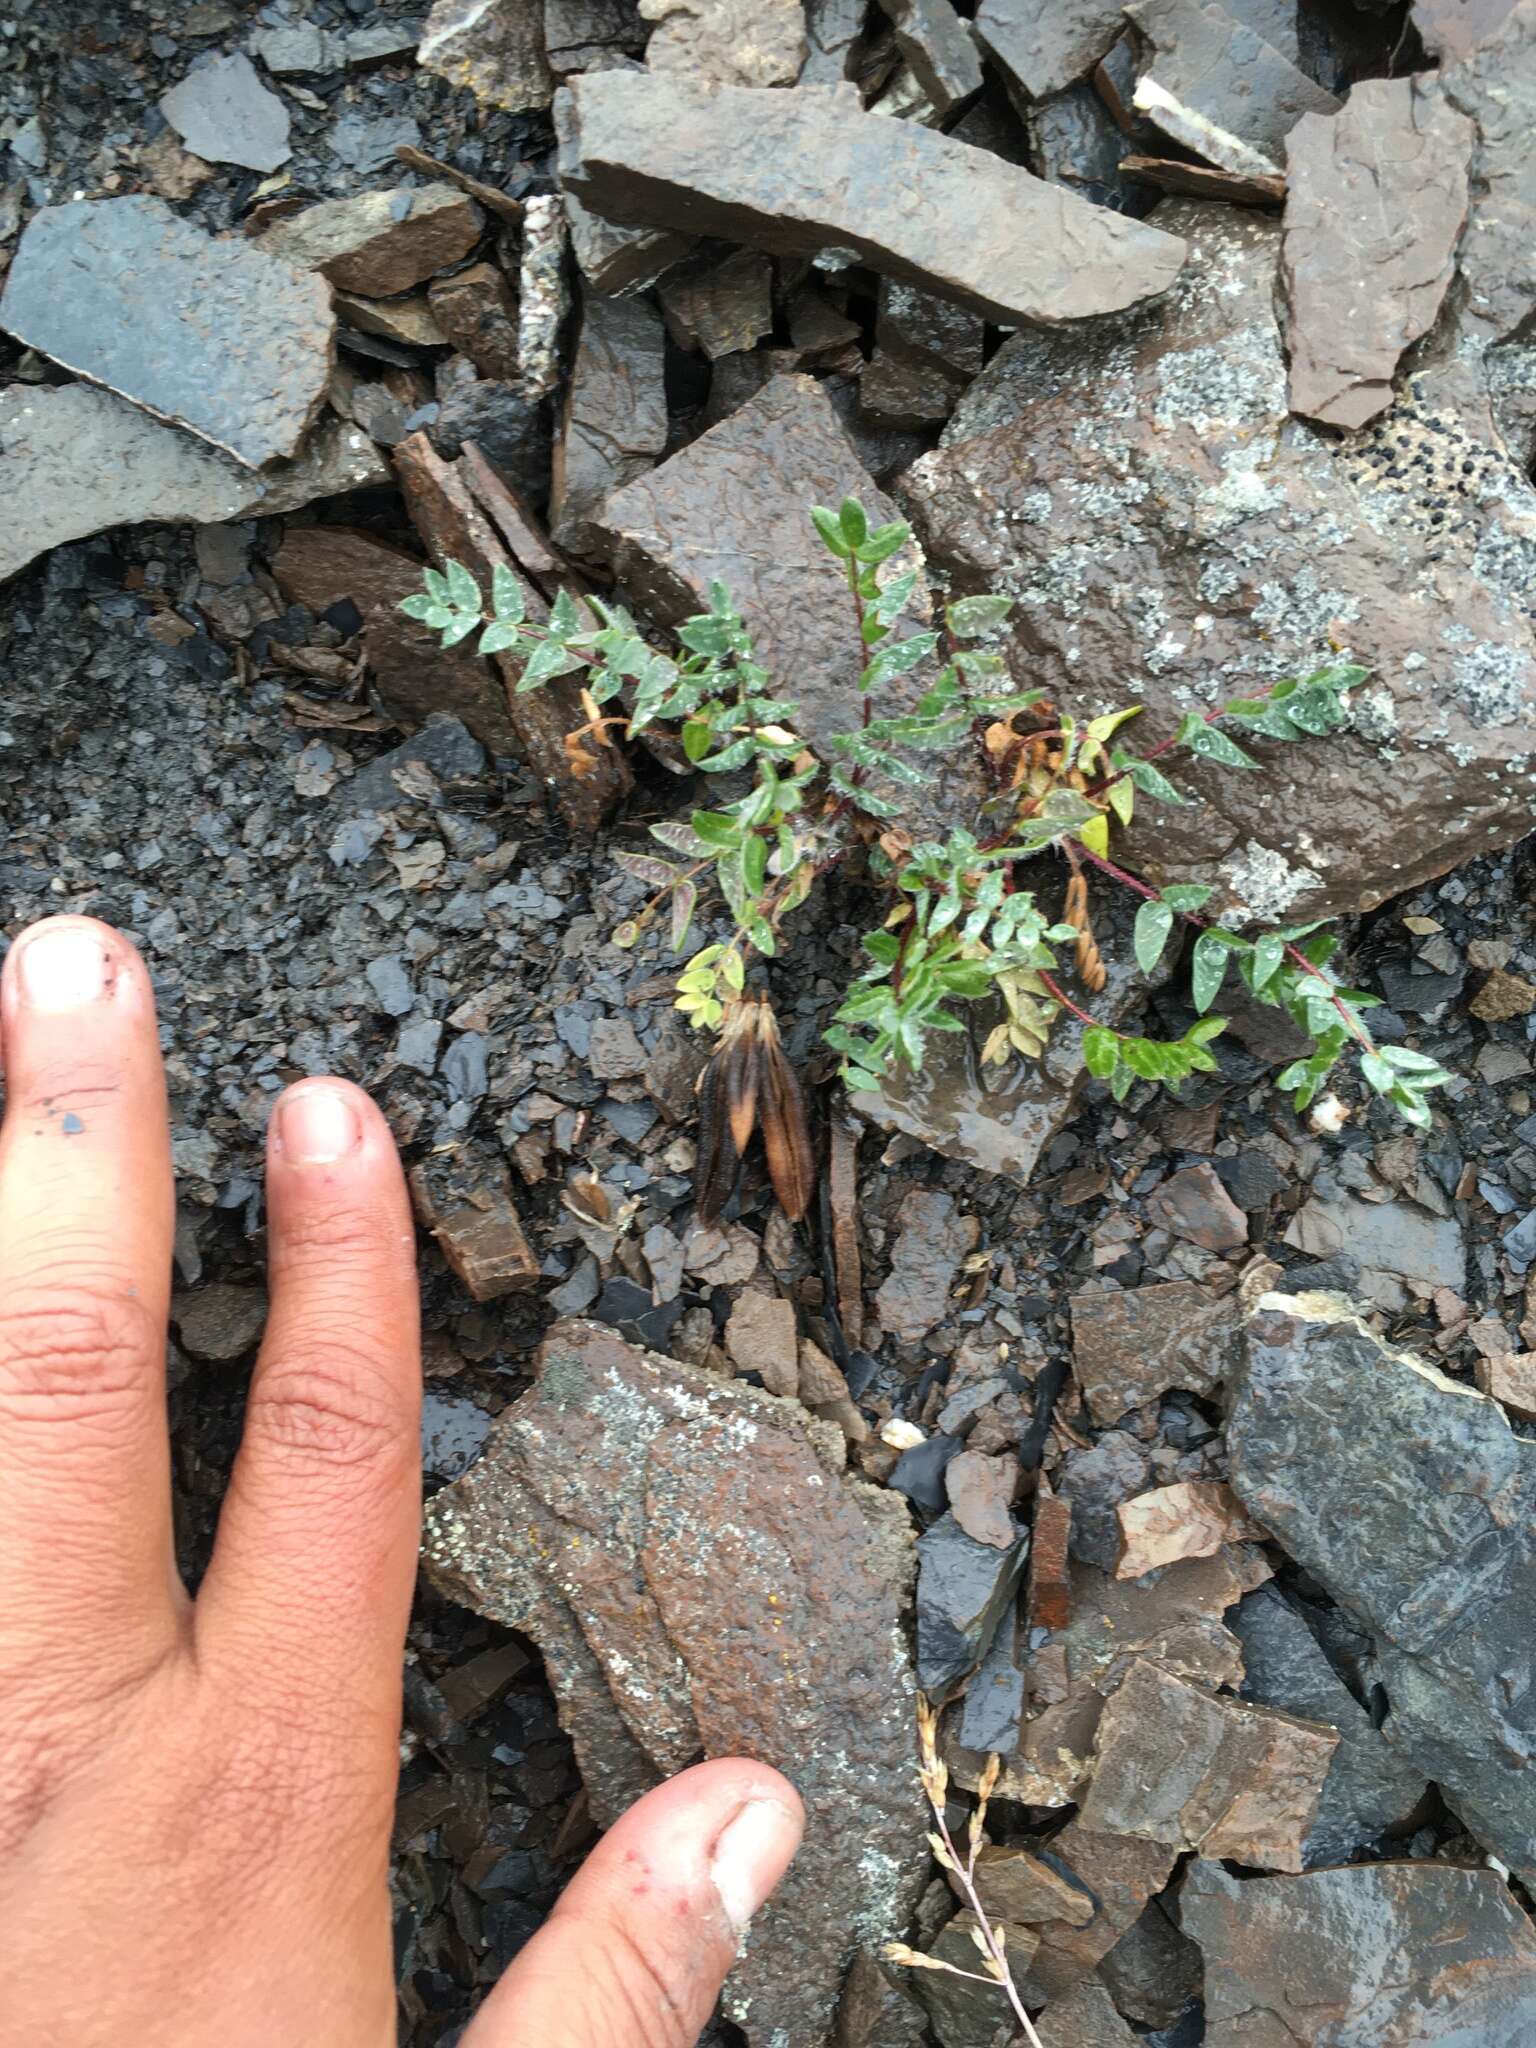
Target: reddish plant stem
1059	994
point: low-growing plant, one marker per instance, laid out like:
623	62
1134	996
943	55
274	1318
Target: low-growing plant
957	922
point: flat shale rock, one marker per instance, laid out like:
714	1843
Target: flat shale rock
1370	1789
1450	28
1385	1955
1119	1873
1215	85
1085	2018
1194	1518
1178	1765
206	332
613	427
225	115
379	243
475	1221
933	1239
926	353
938	49
963	1590
1129	1347
727	42
1169	531
734	504
725	309
1495	83
492	48
1043	46
477	313
1377	196
702	1583
798	172
75	460
1411	1501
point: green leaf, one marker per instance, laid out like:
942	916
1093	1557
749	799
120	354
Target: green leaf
1205	1029
736	755
460	628
852	520
1268	953
882	946
507	595
1212	744
1101	1051
1377	1073
754	863
698	738
971	618
1208	969
437	587
1407	1061
1121	796
1095	834
548	659
645	867
418	605
463	590
897	657
500	635
1154	921
1183	896
706	635
625	935
684	897
1151	781
885	541
826	524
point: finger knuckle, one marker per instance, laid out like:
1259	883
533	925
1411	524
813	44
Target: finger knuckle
341	1240
74	1357
334	1408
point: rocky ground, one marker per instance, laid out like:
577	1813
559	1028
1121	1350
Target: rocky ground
1184	1449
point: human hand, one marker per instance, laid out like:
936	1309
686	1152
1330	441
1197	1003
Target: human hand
195	1797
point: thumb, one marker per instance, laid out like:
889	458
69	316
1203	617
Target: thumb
636	1951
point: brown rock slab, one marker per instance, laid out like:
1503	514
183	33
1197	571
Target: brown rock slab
613	427
409	319
1022	1888
1119	1873
913	203
760	1336
1085	2018
471	1214
1194	1204
1205	181
1216	86
875	2011
491	48
1174	1764
200	330
451	520
1194	1518
1043	46
933	1239
1503	996
75	460
702	1582
722	310
726	42
967	2011
1510	1377
1377	195
1381	1952
981	1489
1451	28
318	566
1048	1594
1130	1346
224	114
379	243
939	50
477	313
926	352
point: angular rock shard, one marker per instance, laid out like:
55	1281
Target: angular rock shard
798	172
614	424
1494	84
1130	1346
1419	1953
1194	1518
939	50
702	1581
225	115
1377	198
1215	85
379	243
926	353
75	460
1044	46
1411	1500
1177	1765
204	331
1450	28
474	1219
727	42
1155	453
492	48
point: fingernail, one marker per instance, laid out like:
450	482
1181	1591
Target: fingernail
751	1854
317	1125
65	968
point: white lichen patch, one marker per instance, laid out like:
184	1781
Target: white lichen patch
1264	885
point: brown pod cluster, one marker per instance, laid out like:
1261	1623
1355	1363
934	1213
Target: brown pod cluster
749	1085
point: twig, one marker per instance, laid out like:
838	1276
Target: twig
1059	994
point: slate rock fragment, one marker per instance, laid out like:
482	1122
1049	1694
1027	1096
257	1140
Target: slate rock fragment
1129	1346
1510	1379
1015	1885
1119	1873
1153	1972
379	243
939	51
726	42
224	114
1085	2018
926	352
963	1589
1157	453
1377	195
1370	1789
701	1582
470	1211
1179	1765
912	203
967	2011
75	460
1074	142
1411	1501
933	1239
1395	1238
1497	258
204	331
491	48
1450	28
1419	1953
724	309
875	2010
1216	86
1194	1205
981	1487
477	313
220	1322
1043	46
588	35
1193	1518
613	426
760	1337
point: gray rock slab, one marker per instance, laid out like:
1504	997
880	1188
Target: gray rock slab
613	425
209	332
963	1591
1413	1503
1387	1237
224	114
1044	46
939	49
798	172
1376	198
75	460
1450	28
1371	1788
1167	529
751	43
379	243
491	48
1495	83
1214	84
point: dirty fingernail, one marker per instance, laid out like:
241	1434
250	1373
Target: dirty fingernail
751	1855
64	968
317	1125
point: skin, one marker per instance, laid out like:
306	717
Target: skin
196	1796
